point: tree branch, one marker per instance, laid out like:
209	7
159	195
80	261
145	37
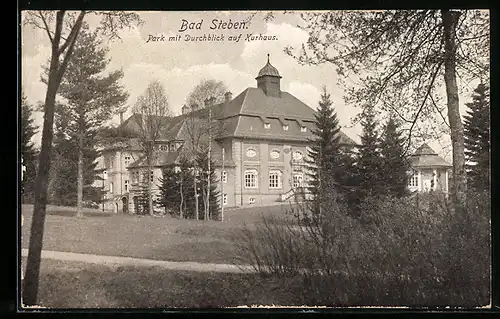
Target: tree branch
46	27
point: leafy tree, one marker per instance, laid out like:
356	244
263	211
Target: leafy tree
28	150
395	166
62	29
92	99
397	58
205	90
369	163
152	120
477	139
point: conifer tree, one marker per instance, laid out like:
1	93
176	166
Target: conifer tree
170	193
369	159
92	98
477	139
324	156
28	150
395	166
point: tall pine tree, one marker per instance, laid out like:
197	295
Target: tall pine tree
477	139
369	159
395	166
91	99
325	156
28	150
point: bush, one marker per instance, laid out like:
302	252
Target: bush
414	251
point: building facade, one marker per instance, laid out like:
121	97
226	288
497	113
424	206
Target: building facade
430	172
258	142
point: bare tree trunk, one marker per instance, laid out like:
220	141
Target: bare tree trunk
195	186
31	279
182	198
450	19
79	200
150	189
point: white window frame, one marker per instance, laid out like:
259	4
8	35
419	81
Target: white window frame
303	129
152	176
111	187
267	125
275	179
127	160
224	176
297	180
251	178
413	181
224	199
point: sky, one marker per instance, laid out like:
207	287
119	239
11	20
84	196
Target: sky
180	65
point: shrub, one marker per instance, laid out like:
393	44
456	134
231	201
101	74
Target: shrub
414	251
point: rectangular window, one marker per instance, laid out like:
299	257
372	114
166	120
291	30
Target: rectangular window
285	127
224	177
111	187
224	199
303	129
251	179
126	185
171	147
267	125
105	175
413	182
274	179
152	175
127	160
110	163
164	148
251	200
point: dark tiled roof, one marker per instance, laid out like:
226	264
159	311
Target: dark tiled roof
425	149
425	156
253	101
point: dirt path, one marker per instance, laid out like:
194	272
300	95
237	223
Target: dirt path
129	261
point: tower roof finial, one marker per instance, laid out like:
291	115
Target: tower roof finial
268	58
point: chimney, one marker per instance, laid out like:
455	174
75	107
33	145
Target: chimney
185	109
228	96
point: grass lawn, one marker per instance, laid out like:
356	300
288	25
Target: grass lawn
161	238
78	285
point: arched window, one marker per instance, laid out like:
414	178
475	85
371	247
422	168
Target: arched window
251	178
274	179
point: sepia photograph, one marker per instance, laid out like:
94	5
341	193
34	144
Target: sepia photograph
254	159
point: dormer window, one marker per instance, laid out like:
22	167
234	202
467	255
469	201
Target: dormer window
285	127
303	129
267	125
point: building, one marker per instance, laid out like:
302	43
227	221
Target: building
263	133
259	143
430	172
